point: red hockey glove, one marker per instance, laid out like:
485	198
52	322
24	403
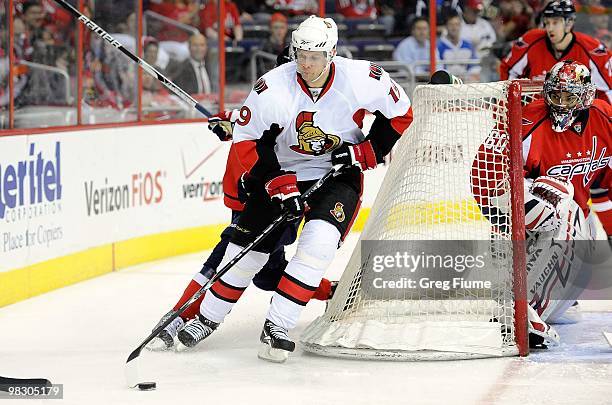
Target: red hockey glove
222	124
361	155
283	188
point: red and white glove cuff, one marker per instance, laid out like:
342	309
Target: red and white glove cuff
363	154
283	186
229	115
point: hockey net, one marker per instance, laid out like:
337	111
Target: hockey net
427	202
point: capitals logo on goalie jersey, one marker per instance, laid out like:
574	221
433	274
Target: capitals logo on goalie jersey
311	139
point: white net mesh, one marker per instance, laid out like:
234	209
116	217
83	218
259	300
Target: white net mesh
427	197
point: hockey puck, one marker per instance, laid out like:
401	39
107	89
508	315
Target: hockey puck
147	386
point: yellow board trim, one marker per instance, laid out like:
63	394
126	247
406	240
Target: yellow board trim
17	285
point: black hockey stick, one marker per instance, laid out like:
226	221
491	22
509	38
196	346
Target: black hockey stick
131	370
6	382
144	65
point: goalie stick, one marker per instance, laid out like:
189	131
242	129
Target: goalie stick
131	366
182	94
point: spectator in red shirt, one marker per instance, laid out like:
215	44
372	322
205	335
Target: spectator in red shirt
293	7
209	19
276	42
183	11
514	19
357	8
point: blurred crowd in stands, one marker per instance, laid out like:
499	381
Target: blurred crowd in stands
180	40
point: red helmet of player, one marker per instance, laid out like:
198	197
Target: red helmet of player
567	91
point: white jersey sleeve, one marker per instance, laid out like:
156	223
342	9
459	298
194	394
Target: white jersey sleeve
263	110
381	93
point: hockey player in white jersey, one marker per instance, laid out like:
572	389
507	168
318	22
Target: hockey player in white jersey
299	120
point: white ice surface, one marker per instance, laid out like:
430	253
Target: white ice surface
81	335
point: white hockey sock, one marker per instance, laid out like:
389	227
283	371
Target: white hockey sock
316	249
223	294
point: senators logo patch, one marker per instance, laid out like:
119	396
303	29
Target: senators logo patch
260	86
311	139
375	71
338	212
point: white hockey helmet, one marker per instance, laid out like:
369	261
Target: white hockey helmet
315	34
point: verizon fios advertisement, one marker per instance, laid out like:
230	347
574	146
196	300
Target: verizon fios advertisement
67	192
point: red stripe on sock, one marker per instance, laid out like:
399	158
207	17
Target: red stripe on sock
194	308
294	290
226	291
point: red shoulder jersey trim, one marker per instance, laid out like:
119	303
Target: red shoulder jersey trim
403	121
242	157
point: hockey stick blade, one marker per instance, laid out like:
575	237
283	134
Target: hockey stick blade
7	382
608	336
131	371
95	28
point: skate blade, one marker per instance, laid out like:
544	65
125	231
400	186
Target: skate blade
608	336
266	352
179	347
157	345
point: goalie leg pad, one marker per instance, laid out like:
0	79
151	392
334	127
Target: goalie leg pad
556	271
224	293
316	250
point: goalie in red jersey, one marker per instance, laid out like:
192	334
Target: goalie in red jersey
538	50
567	145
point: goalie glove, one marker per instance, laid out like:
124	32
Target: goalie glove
556	191
222	124
361	155
545	200
282	187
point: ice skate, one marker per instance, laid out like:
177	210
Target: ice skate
276	343
195	331
165	339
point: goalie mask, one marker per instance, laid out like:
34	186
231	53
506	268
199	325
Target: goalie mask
567	91
315	34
